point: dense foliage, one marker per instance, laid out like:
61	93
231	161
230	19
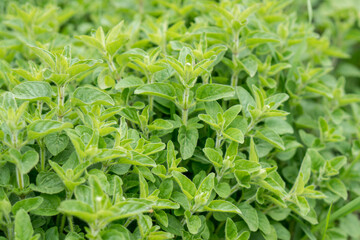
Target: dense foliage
179	119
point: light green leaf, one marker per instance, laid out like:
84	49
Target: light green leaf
193	222
41	128
27	204
28	161
250	65
214	157
222	206
23	228
164	90
338	187
160	124
204	191
90	96
212	92
129	82
33	91
56	142
48	207
186	185
48	182
230	230
188	140
250	216
271	137
231	114
78	209
234	134
45	55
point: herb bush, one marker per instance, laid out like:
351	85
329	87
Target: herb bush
179	119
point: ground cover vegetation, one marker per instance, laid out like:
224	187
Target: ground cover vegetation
179	119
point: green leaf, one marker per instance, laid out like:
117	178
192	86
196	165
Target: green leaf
23	229
105	80
231	232
280	126
250	65
129	82
90	96
41	128
187	138
48	182
163	90
48	207
271	137
234	134
45	55
214	157
160	124
52	234
231	114
222	206
264	224
56	142
186	185
91	41
212	92
253	156
250	216
28	161
27	204
193	222
162	217
338	187
204	191
33	91
78	209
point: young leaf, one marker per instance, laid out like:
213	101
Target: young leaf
42	128
163	90
33	91
187	139
222	206
186	185
23	228
90	96
212	92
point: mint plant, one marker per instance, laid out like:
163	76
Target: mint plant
179	120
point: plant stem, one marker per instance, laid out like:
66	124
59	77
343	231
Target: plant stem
151	107
19	178
62	225
185	110
234	79
218	140
39	105
9	226
71	224
42	155
61	97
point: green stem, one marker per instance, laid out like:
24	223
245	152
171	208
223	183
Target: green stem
62	225
71	223
9	227
218	140
42	155
151	107
39	105
234	79
61	97
19	178
185	110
